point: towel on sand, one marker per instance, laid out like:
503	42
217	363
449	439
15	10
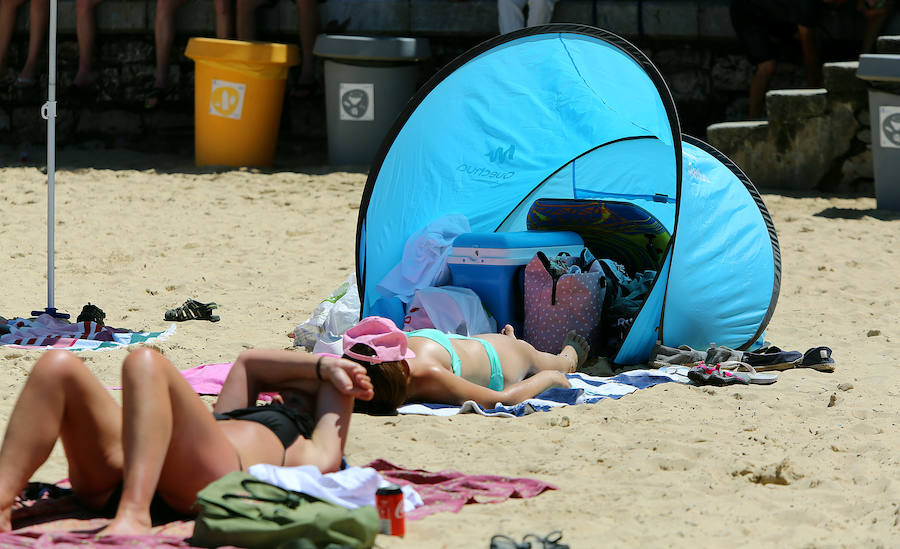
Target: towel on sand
48	332
449	490
585	390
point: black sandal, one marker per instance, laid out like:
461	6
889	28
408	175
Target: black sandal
192	310
91	313
550	541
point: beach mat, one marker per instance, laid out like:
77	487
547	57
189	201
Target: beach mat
47	332
585	390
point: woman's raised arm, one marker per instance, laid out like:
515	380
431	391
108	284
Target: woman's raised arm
259	370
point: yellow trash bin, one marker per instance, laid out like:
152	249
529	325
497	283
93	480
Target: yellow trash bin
238	96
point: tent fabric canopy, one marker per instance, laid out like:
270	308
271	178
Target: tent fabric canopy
558	111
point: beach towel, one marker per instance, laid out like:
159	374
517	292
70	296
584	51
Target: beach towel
449	490
585	390
48	332
47	515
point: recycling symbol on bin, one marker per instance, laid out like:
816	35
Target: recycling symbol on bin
355	102
226	99
890	128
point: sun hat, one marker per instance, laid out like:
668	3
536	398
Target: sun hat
382	336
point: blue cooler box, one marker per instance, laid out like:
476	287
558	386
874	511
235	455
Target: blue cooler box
489	264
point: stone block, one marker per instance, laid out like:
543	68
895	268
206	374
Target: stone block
714	20
363	17
865	135
194	18
888	44
688	85
785	107
843	85
279	21
113	123
731	73
123	16
617	16
858	167
441	17
4	120
671	19
798	156
28	124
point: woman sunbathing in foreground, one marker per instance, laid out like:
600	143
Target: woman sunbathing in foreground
164	440
431	366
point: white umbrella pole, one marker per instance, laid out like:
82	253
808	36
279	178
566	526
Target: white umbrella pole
48	112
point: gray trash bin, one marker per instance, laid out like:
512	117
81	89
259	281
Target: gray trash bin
368	81
882	72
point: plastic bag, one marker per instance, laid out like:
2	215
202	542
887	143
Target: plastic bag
337	313
450	309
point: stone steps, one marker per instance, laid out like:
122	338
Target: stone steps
812	139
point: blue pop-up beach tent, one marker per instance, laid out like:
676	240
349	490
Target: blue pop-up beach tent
575	112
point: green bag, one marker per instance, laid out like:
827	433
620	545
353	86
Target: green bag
241	510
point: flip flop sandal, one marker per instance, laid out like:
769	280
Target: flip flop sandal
701	373
772	358
817	358
744	370
192	310
716	354
581	346
530	541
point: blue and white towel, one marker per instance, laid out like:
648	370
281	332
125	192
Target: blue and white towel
585	390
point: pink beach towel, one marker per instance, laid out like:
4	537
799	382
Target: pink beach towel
449	490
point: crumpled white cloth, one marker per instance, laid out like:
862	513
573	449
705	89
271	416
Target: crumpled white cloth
424	260
351	487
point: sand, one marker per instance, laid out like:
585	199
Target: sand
809	461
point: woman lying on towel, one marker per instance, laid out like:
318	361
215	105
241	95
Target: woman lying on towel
431	366
164	440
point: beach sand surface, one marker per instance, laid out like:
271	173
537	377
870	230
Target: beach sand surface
810	461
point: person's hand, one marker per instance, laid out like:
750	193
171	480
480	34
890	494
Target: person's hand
557	379
347	376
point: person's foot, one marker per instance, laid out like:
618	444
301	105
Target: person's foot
155	98
575	344
127	525
508	330
6	518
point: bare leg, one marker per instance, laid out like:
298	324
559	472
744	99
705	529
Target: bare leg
8	10
164	35
245	18
758	86
224	19
86	29
175	458
520	359
39	16
61	398
308	18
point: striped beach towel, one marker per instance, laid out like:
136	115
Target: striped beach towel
585	390
48	332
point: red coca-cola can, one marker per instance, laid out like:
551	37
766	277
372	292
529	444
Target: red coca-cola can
389	501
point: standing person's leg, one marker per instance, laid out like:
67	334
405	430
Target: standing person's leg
224	20
758	86
172	444
39	16
86	30
540	12
245	18
8	11
62	399
308	19
510	15
164	36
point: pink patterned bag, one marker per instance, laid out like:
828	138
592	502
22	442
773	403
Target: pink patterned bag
555	304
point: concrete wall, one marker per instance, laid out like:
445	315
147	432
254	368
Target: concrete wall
691	42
